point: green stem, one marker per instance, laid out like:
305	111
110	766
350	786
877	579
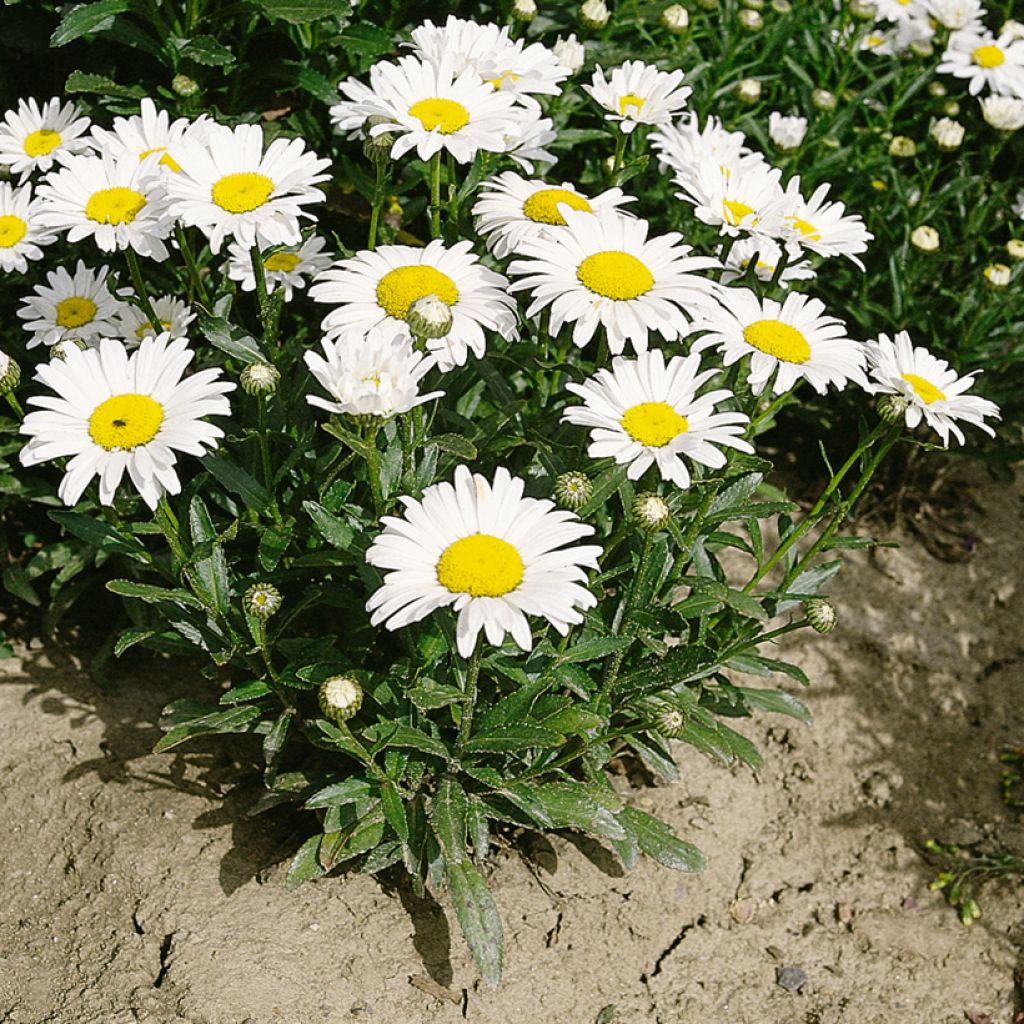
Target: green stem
373	468
264	439
168	523
771	409
15	405
730	241
780	268
435	195
453	192
266	312
620	155
361	752
140	288
198	284
469	692
614	662
378	203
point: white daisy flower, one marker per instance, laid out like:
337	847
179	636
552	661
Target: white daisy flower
602	270
378	288
643	412
378	375
229	186
115	412
526	138
956	14
931	388
118	201
986	60
638	93
511	208
430	109
765	254
21	234
901	10
150	133
32	137
820	226
1004	113
786	132
172	314
70	307
491	554
1018	204
287	268
684	146
735	198
785	342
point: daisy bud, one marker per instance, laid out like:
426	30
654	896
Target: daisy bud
669	721
429	317
708	5
786	132
10	374
524	11
748	90
1015	248
1012	28
997	275
902	147
750	21
925	238
61	349
572	490
570	53
262	600
891	409
922	47
1004	113
821	614
676	19
184	86
947	134
651	511
594	14
340	697
863	10
822	99
782	7
937	89
260	379
377	148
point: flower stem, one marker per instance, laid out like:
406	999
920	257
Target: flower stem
168	522
373	468
198	284
140	288
620	154
469	692
268	321
15	405
378	203
435	195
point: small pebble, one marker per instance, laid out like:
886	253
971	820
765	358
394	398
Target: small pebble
792	979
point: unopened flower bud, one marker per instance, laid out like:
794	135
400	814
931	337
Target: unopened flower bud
937	89
891	409
750	21
1012	28
429	317
947	134
863	10
524	11
997	275
748	90
260	379
594	14
1004	113
377	148
340	698
922	47
184	86
62	348
821	614
708	5
669	721
822	99
1015	249
262	600
925	238
573	490
651	511
902	147
570	53
676	19
10	374
782	7
951	109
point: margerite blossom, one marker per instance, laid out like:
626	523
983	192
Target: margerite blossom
820	226
766	254
510	208
736	198
601	270
644	412
21	234
931	388
570	53
491	554
786	342
229	186
114	412
786	132
985	60
151	132
173	317
430	108
287	268
378	288
1004	113
956	14
685	147
116	200
378	375
526	138
70	307
900	10
33	136
638	93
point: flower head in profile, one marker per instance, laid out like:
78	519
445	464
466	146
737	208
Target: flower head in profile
986	60
33	136
22	236
820	226
287	268
150	133
112	413
765	254
786	132
932	389
738	198
1004	113
956	14
491	554
638	93
685	146
173	315
645	412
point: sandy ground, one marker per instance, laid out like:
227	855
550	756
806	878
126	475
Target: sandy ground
136	889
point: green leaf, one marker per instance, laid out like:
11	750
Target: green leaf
80	81
448	819
273	544
592	650
334	530
408	736
236	480
394	811
604	486
249	691
810	581
514	707
455	444
305	864
85	18
428	695
778	701
313	82
232	720
657	840
367	833
478	918
365	40
206	50
131	637
99	534
509	738
681	664
16	582
207	574
152	594
348	791
298	12
570	805
230	339
273	742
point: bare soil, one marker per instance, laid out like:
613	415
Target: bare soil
137	889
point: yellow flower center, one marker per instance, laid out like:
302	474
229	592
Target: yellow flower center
806	228
988	56
874	40
398	289
75	311
735	211
777	339
446	116
242	192
125	421
480	565
630	100
505	76
114	205
148	328
41	142
283	262
12	231
542	206
653	424
616	275
167	160
924	389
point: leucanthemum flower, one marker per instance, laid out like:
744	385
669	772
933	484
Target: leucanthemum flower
786	342
820	226
172	314
765	253
70	307
931	388
287	268
601	270
114	413
21	234
526	138
378	288
956	14
118	201
511	208
229	186
986	60
33	136
491	554
735	198
644	412
684	146
150	133
430	108
786	132
900	10
1004	113
378	375
638	93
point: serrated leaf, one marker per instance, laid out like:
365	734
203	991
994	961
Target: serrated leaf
99	534
455	444
236	480
80	81
448	819
336	531
249	691
273	544
507	739
230	339
299	12
810	581
417	739
232	720
394	811
777	701
152	594
591	650
305	865
316	84
131	637
428	695
478	918
207	51
570	805
85	18
348	791
657	840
